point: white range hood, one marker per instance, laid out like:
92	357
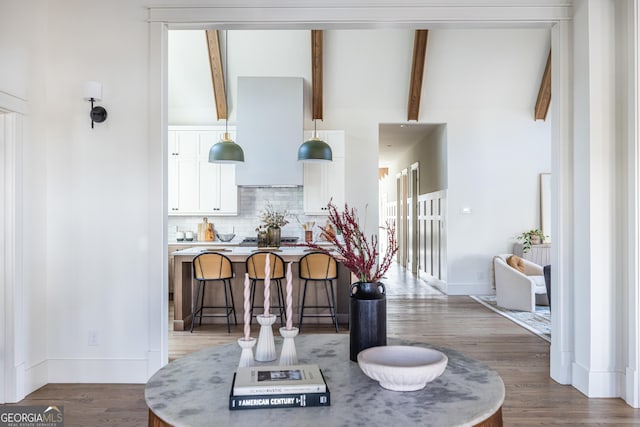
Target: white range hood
269	130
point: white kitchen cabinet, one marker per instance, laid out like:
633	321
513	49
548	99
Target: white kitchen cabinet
197	187
325	181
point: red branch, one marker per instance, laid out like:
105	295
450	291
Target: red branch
355	251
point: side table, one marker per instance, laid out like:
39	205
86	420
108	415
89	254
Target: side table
194	391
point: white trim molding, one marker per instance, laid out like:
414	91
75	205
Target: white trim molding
632	370
107	371
365	14
4	365
11	287
158	303
562	210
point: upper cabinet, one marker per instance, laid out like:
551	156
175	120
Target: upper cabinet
324	181
197	187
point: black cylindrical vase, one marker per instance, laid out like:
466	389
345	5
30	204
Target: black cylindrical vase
367	317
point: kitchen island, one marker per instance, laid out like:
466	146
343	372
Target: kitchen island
184	286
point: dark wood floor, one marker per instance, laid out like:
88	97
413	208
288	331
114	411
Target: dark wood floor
521	358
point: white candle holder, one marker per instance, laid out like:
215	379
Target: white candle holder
246	357
266	349
288	355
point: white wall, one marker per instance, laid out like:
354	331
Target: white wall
97	183
486	93
250	54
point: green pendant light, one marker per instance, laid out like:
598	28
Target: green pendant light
315	149
226	151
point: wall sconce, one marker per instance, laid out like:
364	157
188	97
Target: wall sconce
92	93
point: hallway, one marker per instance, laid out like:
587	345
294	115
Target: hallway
401	283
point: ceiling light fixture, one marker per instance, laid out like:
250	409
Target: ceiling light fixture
315	149
226	151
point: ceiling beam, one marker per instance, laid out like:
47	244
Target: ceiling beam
316	73
417	71
217	73
544	94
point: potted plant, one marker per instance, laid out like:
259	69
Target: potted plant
531	237
273	220
360	255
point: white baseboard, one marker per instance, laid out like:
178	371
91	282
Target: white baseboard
560	371
632	388
98	371
154	362
469	289
35	377
596	384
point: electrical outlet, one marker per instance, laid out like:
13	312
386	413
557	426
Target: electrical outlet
94	339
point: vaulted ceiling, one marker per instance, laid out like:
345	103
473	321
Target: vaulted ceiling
405	76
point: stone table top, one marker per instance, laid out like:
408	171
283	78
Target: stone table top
194	390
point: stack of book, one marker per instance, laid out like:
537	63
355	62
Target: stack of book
278	387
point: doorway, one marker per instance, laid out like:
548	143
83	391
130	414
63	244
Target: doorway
416	155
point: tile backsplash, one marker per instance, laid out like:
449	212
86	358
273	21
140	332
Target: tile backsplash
251	202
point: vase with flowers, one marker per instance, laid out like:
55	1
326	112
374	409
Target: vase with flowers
273	220
361	256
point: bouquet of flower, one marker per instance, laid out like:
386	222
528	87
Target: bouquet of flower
355	251
273	218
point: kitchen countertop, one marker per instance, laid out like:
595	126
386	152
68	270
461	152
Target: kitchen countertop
241	253
235	242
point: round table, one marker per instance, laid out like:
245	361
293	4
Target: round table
194	391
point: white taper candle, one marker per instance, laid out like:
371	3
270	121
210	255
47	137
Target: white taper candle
267	283
247	306
289	298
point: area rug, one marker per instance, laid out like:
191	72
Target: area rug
539	322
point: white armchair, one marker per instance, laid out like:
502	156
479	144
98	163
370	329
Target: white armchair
519	290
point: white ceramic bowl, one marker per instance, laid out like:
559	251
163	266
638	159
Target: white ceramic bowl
402	368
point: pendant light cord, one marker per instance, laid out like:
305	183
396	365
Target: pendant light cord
226	71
